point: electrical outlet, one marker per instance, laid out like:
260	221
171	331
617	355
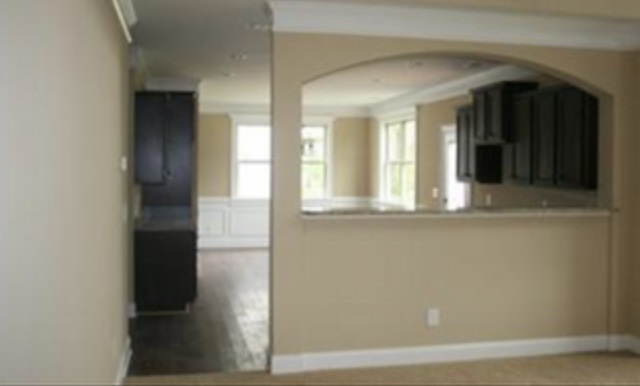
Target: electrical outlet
435	192
432	317
488	199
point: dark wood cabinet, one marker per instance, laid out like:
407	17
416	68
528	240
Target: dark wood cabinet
518	153
466	146
544	128
577	139
165	236
481	163
165	269
546	137
149	138
177	185
164	137
492	106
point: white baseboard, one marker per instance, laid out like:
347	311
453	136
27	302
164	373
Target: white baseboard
634	345
282	364
125	360
624	343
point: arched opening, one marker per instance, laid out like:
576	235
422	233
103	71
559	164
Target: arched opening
453	131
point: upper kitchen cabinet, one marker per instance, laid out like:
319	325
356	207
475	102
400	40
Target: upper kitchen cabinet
466	148
518	153
164	136
149	138
492	106
544	130
577	136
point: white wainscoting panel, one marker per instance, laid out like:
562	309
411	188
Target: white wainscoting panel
239	223
232	223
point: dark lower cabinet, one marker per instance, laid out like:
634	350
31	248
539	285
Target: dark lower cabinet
165	269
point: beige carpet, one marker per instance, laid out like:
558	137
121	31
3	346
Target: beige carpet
583	369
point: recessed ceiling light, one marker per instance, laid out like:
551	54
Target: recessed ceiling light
239	57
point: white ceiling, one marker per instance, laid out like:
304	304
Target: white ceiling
220	42
376	82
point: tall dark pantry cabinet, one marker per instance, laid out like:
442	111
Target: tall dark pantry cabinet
165	231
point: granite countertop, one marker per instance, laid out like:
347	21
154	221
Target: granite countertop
323	212
181	224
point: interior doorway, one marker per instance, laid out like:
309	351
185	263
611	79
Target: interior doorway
455	194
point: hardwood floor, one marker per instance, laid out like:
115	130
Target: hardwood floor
226	329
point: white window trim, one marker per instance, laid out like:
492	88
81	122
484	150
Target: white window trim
242	120
407	114
327	122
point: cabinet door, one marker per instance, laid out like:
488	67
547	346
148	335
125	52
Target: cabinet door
571	138
590	178
544	139
480	108
177	187
149	138
494	125
465	144
165	269
519	159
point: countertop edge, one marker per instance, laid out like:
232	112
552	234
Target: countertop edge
345	215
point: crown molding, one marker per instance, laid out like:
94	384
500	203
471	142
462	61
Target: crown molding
456	24
126	13
210	107
451	89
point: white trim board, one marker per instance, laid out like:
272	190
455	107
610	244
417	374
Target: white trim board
283	364
125	361
126	15
455	24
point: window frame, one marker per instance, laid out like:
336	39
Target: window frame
327	123
384	162
248	120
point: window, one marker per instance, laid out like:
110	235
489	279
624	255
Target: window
252	161
314	162
398	167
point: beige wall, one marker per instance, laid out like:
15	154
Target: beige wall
351	156
214	155
302	251
391	271
634	304
430	119
63	120
617	8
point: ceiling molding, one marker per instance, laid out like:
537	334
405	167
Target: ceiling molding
457	24
451	89
126	15
210	107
